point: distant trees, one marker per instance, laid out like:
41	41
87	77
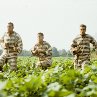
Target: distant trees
55	53
61	53
69	54
25	53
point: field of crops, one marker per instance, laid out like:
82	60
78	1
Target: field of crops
60	80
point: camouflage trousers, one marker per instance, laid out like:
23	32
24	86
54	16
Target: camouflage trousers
80	64
44	64
12	61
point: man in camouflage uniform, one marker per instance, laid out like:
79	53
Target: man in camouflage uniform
12	45
81	47
43	51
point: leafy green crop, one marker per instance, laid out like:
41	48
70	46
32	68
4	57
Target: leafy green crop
59	80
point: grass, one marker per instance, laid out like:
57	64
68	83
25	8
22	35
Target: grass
60	80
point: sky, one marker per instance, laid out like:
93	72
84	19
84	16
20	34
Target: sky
59	20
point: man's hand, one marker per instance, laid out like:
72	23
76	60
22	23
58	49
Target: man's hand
6	45
75	50
34	51
41	51
38	51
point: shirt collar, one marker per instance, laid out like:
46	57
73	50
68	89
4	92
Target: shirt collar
83	35
43	43
11	34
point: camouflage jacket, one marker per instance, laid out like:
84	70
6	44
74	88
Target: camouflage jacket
9	42
47	51
83	46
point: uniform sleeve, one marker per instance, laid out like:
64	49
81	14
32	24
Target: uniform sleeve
94	42
73	45
2	42
33	51
19	44
49	50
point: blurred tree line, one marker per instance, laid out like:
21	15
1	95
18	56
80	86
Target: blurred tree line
55	52
61	53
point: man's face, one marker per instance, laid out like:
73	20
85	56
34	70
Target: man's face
9	28
40	38
82	31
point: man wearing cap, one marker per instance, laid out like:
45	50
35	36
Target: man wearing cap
43	51
12	45
81	48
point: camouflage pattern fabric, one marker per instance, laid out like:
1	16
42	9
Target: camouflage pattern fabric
82	43
8	43
44	58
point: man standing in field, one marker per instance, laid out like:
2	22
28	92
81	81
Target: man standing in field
12	45
81	47
43	51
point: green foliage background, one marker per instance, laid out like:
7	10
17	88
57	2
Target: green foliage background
60	80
